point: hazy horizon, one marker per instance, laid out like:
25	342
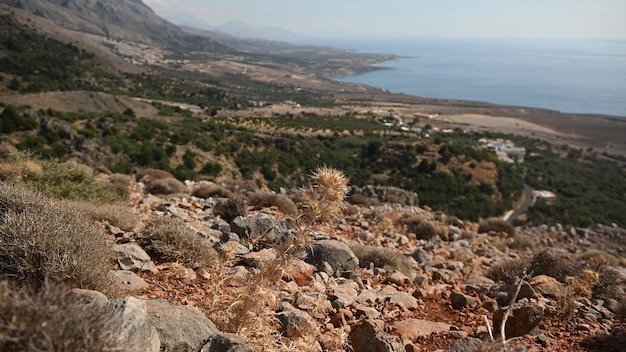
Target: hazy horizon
549	19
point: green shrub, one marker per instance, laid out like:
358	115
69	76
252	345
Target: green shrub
506	271
496	225
230	209
55	320
553	264
381	257
168	239
210	191
61	180
41	239
263	200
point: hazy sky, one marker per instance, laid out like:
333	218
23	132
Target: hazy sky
405	18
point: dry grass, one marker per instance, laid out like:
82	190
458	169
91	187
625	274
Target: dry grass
40	239
553	264
113	214
359	199
211	191
169	240
381	258
121	184
497	226
264	200
166	186
55	320
506	271
418	226
584	282
149	174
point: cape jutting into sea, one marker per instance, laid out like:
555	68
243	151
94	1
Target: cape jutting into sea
573	76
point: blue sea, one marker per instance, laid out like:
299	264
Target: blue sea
574	76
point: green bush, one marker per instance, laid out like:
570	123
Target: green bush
42	239
168	239
54	320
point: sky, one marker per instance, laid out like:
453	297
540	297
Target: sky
413	18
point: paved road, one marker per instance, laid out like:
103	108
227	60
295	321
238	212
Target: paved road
528	201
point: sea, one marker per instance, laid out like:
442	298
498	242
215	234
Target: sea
572	76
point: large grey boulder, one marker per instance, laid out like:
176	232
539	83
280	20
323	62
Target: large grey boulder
523	318
257	225
369	337
135	331
180	328
334	254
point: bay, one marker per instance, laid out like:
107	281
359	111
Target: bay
573	76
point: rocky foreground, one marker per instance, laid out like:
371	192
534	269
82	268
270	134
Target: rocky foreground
367	284
206	267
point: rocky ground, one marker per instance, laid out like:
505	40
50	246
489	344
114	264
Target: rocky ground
379	280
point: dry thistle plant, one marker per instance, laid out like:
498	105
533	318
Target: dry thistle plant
324	195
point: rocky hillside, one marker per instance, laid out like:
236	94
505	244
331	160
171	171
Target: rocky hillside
206	267
129	20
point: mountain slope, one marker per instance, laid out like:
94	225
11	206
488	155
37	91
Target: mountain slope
120	19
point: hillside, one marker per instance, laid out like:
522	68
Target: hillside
164	189
247	270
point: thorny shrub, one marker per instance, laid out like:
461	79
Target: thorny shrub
41	239
54	319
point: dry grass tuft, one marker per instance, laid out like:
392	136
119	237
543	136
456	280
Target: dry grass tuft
168	239
230	209
40	239
121	184
149	174
417	225
507	271
112	214
496	225
166	186
263	200
212	191
324	196
55	320
584	282
381	258
553	264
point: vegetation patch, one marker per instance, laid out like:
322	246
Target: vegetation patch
41	239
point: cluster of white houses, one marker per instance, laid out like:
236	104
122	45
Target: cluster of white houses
505	150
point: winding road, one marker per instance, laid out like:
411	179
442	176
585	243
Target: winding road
528	201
